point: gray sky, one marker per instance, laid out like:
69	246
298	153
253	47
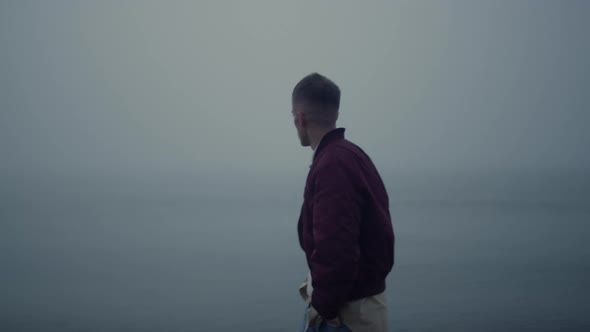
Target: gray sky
202	87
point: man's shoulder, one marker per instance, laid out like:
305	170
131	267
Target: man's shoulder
345	151
340	153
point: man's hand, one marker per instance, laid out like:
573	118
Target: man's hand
335	322
314	319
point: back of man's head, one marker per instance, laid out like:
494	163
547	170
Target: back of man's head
319	97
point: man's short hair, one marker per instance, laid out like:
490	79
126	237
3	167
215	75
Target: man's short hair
317	90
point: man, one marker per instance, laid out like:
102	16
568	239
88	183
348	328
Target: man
345	226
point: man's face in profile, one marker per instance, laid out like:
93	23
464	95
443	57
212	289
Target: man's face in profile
300	123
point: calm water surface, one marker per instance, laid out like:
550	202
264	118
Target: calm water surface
96	262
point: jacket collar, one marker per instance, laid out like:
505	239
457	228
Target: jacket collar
329	137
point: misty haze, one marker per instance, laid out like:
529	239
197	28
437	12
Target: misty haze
151	177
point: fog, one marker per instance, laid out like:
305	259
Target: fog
137	121
204	87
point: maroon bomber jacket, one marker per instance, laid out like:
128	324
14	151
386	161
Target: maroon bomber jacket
345	227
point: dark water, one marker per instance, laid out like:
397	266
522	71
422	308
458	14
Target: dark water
84	261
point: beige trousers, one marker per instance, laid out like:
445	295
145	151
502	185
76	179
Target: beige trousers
368	314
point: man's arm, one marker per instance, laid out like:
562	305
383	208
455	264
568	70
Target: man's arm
336	222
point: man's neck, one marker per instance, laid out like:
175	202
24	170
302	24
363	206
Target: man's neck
316	136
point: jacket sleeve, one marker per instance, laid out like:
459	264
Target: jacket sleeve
336	222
